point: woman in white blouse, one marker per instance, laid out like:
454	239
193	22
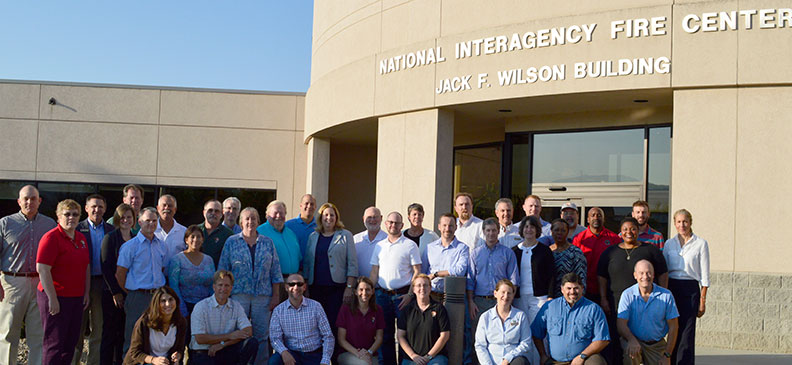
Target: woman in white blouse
159	334
503	334
687	256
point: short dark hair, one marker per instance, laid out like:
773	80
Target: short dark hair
571	278
559	220
641	203
133	186
629	220
415	206
489	222
448	215
195	228
95	196
532	221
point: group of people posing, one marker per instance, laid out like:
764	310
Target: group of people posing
232	290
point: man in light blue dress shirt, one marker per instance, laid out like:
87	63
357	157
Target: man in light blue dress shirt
647	312
231	208
575	327
140	269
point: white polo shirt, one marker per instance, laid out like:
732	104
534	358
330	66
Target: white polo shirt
470	233
395	262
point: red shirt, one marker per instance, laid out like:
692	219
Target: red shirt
68	258
592	246
360	329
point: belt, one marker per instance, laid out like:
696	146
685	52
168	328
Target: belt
651	342
149	291
22	274
401	291
492	297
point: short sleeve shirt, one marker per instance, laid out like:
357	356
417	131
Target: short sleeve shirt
593	245
145	260
19	239
570	330
68	258
423	327
648	320
395	262
210	318
360	328
614	266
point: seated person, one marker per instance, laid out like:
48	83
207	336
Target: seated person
159	334
423	327
299	330
221	332
360	326
503	335
575	327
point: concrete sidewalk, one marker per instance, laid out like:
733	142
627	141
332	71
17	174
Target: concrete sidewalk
713	356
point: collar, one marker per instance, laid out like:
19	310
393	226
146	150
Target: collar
303	303
527	248
26	218
95	226
215	304
576	305
143	238
454	243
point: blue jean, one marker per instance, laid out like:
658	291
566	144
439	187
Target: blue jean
437	360
257	309
237	354
390	310
301	358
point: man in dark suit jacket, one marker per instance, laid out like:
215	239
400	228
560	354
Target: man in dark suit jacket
93	228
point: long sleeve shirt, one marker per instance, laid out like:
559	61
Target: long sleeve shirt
454	258
497	340
252	275
303	329
488	266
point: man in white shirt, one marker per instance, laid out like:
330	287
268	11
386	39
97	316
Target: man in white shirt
508	234
468	226
394	263
366	241
533	206
168	229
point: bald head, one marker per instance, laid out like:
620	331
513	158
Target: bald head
29	201
644	275
644	265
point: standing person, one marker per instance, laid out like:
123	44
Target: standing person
360	326
159	334
615	274
569	213
532	206
305	223
111	350
508	232
215	234
300	330
574	327
446	256
503	335
568	258
424	328
20	234
190	273
132	196
285	241
394	263
646	234
468	225
140	269
93	229
168	229
416	232
221	332
252	259
330	263
64	290
687	256
593	242
366	241
647	313
489	263
231	208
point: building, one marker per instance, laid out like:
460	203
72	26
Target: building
685	104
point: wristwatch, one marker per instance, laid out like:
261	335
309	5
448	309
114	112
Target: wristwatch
370	352
583	356
222	343
349	286
429	357
667	354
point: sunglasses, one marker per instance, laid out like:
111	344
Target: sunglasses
297	283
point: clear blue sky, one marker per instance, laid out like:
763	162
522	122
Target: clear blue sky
253	45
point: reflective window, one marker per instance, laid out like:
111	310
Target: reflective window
659	178
477	170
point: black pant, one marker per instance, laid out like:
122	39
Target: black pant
331	298
111	349
239	353
613	352
687	296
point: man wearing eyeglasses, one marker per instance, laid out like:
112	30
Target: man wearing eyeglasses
19	239
299	330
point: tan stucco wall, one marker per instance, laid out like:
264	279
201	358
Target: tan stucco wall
183	137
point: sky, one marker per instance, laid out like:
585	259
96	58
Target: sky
248	45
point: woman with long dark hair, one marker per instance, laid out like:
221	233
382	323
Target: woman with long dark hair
159	334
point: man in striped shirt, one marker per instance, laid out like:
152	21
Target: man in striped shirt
640	211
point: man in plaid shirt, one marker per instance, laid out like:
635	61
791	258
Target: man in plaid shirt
299	330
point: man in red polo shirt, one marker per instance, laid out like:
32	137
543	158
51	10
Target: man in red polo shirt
593	241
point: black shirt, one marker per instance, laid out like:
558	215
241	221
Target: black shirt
614	266
417	239
423	327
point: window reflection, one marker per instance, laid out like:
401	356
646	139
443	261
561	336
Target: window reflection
477	170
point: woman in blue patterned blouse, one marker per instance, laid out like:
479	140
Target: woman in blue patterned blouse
190	272
252	259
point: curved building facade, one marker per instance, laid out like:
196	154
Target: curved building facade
684	104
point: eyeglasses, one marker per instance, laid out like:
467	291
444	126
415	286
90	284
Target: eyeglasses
70	214
297	283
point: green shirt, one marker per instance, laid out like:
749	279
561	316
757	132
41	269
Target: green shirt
214	242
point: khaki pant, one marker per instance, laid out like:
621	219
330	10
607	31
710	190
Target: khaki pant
19	304
650	354
347	358
92	318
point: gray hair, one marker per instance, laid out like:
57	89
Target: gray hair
234	200
504	200
274	203
151	210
